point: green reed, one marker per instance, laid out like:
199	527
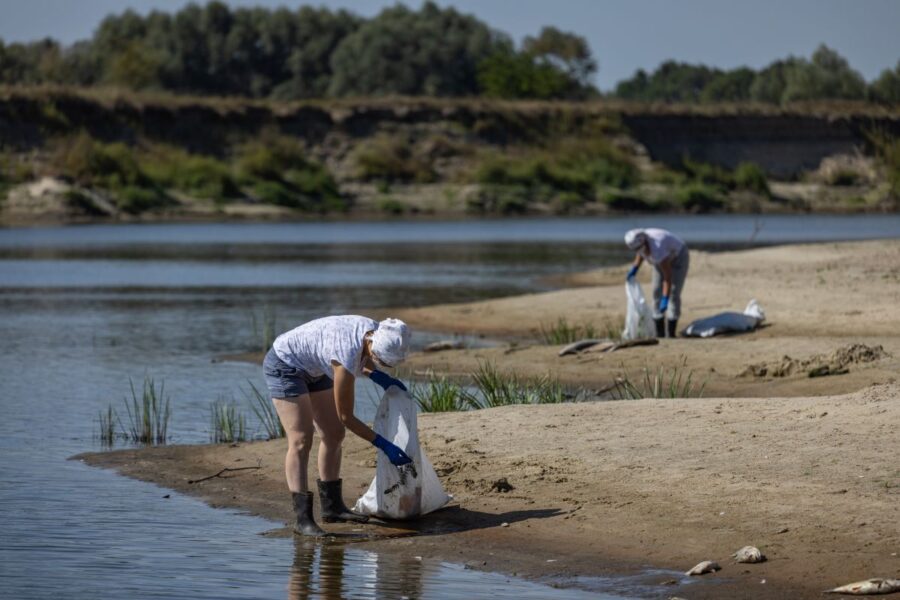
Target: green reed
228	424
265	411
439	394
148	414
662	382
562	332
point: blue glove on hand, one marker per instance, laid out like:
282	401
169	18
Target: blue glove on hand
385	380
632	272
663	304
397	456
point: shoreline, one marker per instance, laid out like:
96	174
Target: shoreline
607	488
730	470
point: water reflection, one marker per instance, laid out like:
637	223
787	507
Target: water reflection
331	571
339	569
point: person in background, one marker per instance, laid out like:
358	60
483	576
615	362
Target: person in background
311	373
670	258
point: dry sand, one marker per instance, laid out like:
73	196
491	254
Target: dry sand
810	477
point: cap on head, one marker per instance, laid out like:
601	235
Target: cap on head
390	342
635	238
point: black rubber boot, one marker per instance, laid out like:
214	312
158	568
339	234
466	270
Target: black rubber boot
303	506
672	328
660	327
333	508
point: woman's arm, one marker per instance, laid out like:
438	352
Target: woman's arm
665	268
344	399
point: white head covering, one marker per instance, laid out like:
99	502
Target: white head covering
390	342
635	238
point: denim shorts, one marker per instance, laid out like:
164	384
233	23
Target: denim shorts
285	381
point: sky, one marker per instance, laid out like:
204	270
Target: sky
625	35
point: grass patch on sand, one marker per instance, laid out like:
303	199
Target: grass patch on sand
562	332
439	394
662	382
228	425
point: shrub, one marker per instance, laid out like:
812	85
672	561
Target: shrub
567	202
195	175
500	199
390	158
707	174
750	176
279	173
696	197
391	206
629	202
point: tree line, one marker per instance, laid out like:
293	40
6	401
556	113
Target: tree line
311	52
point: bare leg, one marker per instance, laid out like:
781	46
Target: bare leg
331	430
297	418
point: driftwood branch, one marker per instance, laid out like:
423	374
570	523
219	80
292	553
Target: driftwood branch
225	470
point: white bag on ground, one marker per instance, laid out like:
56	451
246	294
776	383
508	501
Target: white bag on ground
638	315
408	491
727	322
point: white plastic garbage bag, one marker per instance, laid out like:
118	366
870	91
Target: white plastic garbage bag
638	315
408	491
727	322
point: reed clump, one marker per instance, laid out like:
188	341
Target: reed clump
662	382
562	332
264	410
491	388
148	414
228	424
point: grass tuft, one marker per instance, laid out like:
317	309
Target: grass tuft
562	332
264	410
438	394
108	421
148	415
677	382
228	425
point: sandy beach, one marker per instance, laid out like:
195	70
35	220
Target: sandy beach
805	468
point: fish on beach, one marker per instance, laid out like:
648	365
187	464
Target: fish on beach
749	554
868	587
707	566
576	347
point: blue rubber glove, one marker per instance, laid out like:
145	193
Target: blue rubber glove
385	380
397	456
632	272
663	304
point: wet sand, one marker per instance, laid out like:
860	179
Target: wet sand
792	465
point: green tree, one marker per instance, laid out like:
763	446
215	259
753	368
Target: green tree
508	74
730	86
567	52
826	76
886	89
431	51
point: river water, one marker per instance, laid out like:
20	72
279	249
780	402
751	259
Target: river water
84	310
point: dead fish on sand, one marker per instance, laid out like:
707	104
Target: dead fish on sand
707	566
868	587
576	347
749	554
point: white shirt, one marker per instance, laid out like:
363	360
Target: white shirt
312	346
663	245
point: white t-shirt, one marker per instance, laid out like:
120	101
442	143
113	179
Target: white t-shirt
663	245
312	346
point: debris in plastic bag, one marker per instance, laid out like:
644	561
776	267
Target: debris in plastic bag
727	322
409	490
638	314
